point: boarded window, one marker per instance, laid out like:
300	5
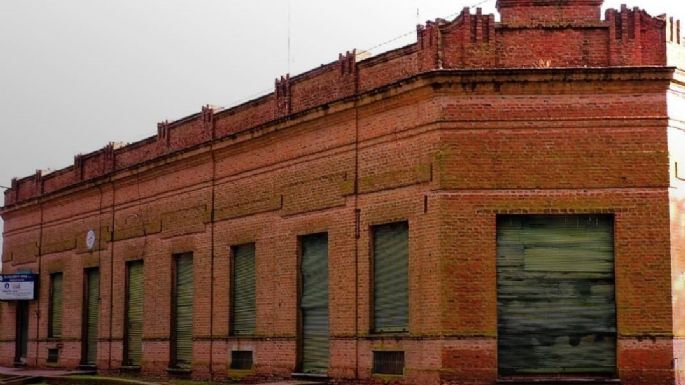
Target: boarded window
183	312
56	305
243	290
555	294
134	313
92	315
390	277
314	303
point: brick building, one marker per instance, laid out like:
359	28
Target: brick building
498	201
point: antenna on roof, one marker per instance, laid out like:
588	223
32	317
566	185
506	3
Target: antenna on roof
289	36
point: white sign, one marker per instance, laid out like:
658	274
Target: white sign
90	239
17	287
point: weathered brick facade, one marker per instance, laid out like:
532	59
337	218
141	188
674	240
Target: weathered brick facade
550	111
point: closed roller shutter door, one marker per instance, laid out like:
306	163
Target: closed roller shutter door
390	270
93	315
134	314
314	303
244	290
555	294
184	311
56	304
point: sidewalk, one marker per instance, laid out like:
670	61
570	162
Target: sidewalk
31	372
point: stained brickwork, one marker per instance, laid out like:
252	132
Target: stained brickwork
552	110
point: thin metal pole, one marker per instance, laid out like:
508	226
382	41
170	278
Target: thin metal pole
289	36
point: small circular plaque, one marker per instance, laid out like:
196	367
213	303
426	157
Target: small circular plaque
90	239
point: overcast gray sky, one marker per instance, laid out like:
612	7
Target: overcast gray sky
77	74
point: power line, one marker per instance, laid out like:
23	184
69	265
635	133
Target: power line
265	92
412	32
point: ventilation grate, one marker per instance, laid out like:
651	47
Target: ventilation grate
241	359
388	363
53	355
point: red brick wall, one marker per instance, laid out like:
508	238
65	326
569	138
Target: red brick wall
446	151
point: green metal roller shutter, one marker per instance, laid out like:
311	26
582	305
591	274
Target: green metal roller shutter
93	306
183	346
56	305
555	294
244	290
390	277
134	313
314	303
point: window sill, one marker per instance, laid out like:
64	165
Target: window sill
387	377
381	335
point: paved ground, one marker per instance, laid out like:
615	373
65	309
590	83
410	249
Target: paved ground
38	372
28	372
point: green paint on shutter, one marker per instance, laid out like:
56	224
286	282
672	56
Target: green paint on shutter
390	277
56	305
92	315
244	308
555	294
134	313
183	345
314	303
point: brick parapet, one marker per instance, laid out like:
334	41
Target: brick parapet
531	34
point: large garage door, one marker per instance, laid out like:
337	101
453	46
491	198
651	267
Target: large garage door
555	294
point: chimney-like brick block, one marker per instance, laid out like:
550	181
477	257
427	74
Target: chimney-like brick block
635	38
549	12
283	96
207	118
108	158
428	45
78	167
38	182
470	41
163	135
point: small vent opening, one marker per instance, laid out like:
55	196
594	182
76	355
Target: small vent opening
53	355
388	363
241	359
